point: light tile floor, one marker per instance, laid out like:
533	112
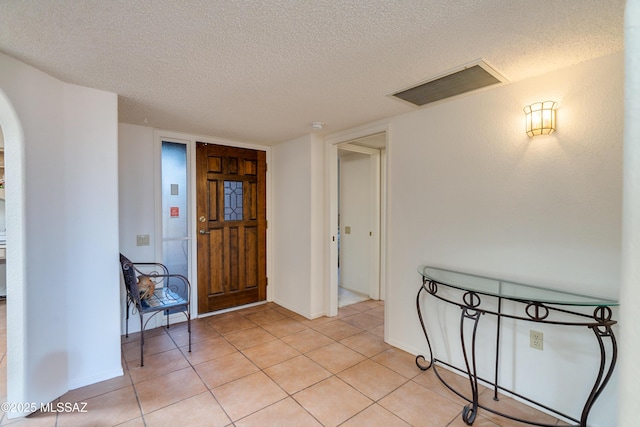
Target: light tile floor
347	297
267	366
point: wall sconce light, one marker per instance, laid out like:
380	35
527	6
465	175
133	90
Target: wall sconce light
541	118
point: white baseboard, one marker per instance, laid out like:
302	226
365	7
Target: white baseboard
102	376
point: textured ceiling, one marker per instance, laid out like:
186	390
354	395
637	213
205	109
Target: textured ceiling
263	71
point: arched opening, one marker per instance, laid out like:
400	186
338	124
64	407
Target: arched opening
16	316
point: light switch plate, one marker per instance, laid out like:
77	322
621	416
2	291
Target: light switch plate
142	240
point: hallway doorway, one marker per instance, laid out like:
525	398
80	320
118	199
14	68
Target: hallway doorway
358	220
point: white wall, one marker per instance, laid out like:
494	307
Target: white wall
356	208
317	230
136	175
630	293
298	225
91	234
62	234
468	190
136	195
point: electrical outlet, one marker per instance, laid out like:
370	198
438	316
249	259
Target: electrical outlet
536	339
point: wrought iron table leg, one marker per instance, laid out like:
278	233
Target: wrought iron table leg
602	330
420	358
470	412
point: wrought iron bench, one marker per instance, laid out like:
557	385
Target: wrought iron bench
165	298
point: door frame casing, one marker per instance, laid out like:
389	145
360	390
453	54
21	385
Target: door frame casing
331	145
190	140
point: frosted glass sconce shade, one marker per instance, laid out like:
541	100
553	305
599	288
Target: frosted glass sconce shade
541	118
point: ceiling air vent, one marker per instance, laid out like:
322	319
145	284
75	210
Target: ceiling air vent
462	80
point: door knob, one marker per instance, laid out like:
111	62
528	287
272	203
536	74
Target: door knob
204	232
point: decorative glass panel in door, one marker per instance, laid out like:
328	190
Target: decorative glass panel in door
233	201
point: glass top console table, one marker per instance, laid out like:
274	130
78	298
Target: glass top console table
478	295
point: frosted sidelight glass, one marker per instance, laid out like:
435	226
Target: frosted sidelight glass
175	231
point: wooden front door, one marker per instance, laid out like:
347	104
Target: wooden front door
231	218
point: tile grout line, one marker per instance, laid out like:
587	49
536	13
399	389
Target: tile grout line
289	395
135	392
262	370
333	375
210	390
128	363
